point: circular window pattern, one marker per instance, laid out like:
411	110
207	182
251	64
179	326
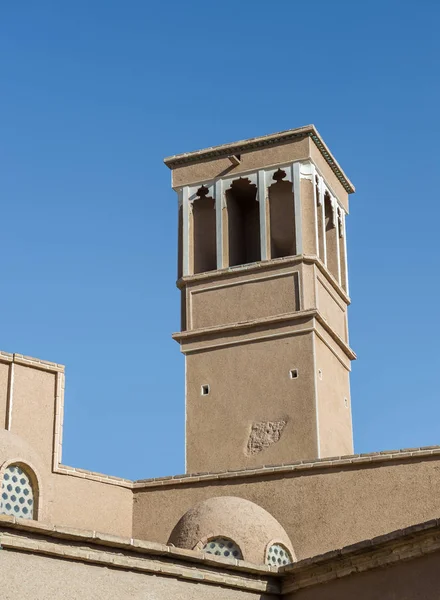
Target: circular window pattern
222	547
278	556
17	497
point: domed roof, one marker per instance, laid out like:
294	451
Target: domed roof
251	527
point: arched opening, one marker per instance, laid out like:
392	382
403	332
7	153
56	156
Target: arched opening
320	219
180	243
18	494
282	217
331	241
342	250
222	546
204	232
243	219
278	556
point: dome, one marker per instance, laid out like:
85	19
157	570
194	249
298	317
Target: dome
249	526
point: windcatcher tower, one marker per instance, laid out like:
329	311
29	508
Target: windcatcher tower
263	279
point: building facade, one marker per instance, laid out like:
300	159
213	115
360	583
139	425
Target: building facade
273	504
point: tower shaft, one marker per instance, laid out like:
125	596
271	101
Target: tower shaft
263	278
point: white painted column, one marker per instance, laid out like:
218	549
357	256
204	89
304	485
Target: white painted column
296	178
344	235
262	199
322	196
219	201
184	199
335	209
315	210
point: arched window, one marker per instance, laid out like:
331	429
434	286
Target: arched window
278	556
243	222
17	494
221	546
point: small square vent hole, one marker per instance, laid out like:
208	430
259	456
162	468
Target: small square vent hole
205	390
293	373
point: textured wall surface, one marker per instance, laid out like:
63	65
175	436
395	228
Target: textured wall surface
320	510
33	577
417	579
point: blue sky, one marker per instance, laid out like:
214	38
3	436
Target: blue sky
94	94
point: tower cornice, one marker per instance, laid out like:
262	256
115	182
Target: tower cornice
228	272
234	149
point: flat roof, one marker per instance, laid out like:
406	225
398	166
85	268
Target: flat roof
264	141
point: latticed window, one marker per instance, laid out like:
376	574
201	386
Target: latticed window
278	555
17	495
221	546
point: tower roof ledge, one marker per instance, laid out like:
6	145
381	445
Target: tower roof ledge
264	141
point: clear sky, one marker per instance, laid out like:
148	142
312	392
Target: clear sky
95	93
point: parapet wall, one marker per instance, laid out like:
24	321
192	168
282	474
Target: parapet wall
322	504
31	414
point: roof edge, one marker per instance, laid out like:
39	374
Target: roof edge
335	462
271	139
384	550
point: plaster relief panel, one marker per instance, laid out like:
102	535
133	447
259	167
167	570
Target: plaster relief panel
264	434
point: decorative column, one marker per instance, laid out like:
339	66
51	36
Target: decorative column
322	200
336	213
219	202
343	250
296	177
315	209
263	206
184	200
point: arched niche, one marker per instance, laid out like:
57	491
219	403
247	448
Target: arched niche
243	222
281	216
332	243
204	231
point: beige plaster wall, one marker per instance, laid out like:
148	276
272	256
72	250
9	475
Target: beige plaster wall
36	577
206	293
416	579
63	499
255	159
250	384
87	504
308	286
328	175
331	307
4	378
334	405
320	510
233	302
33	409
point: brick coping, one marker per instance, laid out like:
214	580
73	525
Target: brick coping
132	554
350	460
31	361
378	552
99	548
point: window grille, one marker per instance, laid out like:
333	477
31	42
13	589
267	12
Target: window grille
17	495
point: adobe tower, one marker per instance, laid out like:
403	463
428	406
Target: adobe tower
264	288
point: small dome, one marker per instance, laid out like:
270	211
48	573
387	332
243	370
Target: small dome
246	524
